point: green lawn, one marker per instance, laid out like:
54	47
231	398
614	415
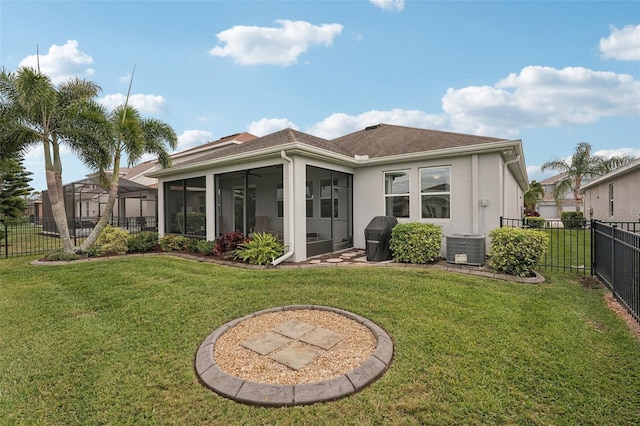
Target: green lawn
113	342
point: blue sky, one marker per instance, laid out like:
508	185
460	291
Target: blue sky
550	73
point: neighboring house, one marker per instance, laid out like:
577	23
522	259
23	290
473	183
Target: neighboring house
548	207
136	206
614	197
319	195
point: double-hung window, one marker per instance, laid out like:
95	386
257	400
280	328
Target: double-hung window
435	192
396	193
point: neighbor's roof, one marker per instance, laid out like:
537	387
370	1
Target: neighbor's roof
627	168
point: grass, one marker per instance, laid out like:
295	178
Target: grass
113	342
569	249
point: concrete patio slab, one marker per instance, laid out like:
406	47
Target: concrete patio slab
296	356
294	328
322	338
266	343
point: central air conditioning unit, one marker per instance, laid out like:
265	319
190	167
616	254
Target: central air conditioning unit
466	249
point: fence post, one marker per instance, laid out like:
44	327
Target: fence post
501	221
613	257
6	240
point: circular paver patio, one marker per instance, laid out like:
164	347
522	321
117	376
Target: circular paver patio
301	342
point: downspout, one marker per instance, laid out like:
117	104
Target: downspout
504	183
290	213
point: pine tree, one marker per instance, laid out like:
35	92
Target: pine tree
14	187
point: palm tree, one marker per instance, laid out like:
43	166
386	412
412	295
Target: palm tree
582	165
35	112
131	135
533	196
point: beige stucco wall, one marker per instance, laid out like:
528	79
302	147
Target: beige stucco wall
477	182
626	199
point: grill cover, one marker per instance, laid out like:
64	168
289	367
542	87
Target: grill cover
377	234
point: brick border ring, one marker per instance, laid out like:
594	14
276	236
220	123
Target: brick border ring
249	392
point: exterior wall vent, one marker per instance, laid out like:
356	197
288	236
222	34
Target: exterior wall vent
466	249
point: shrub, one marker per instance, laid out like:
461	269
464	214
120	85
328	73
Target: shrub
416	242
227	243
142	241
192	245
60	255
534	222
172	242
111	241
573	219
206	247
516	251
262	249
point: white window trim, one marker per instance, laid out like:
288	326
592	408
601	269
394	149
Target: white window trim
436	193
407	194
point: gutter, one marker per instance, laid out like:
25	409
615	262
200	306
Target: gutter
504	182
291	213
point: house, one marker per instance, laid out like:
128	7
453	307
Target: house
136	205
319	195
614	197
548	207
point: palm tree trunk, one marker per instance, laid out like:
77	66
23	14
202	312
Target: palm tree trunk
104	219
56	196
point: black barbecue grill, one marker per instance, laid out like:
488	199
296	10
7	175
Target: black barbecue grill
377	234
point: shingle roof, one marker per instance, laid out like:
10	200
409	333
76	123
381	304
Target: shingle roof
282	137
384	140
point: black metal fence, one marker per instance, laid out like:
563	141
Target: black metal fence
616	261
569	243
41	236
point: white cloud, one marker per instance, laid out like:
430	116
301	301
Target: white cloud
191	138
618	152
622	44
340	124
251	45
125	78
62	62
389	4
542	97
146	104
267	126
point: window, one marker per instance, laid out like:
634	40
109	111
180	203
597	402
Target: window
396	193
435	192
279	200
326	198
610	199
309	191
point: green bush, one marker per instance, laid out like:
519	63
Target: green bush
573	219
60	255
111	241
534	222
206	247
262	249
416	242
172	242
516	251
142	241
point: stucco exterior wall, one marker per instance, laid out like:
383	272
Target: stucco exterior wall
626	199
476	201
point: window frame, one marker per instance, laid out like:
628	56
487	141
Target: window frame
423	193
611	196
392	195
